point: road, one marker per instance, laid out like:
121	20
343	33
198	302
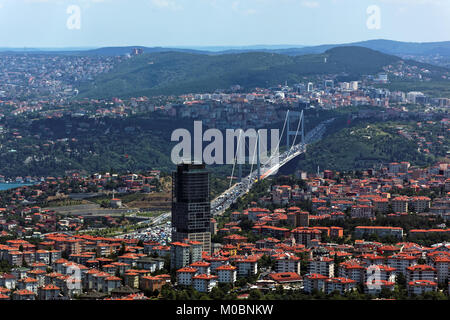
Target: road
158	229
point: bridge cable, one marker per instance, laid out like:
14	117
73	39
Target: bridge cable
235	157
296	132
254	151
278	145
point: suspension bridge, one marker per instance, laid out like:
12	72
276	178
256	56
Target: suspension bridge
270	167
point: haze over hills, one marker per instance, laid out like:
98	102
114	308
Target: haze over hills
382	45
166	73
385	46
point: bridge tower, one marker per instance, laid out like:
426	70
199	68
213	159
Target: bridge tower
239	172
300	125
258	160
247	159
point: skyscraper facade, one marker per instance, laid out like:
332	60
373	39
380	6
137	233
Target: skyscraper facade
191	207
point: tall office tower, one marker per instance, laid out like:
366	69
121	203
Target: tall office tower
191	208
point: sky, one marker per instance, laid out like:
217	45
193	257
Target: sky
196	23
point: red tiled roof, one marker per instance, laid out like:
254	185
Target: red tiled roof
285	276
187	269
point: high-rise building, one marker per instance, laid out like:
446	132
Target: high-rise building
302	219
191	207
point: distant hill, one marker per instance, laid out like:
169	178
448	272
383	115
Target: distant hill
385	46
181	72
104	51
120	51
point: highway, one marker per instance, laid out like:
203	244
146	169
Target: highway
156	229
220	204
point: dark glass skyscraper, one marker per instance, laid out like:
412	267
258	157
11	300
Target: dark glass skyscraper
191	207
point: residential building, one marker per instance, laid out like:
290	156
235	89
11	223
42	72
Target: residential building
321	265
226	274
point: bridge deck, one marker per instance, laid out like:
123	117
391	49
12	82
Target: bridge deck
221	203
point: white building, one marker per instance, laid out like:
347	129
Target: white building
421	272
376	286
287	263
247	267
352	270
442	265
322	265
341	285
314	281
202	267
400	262
185	275
412	96
227	274
204	282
